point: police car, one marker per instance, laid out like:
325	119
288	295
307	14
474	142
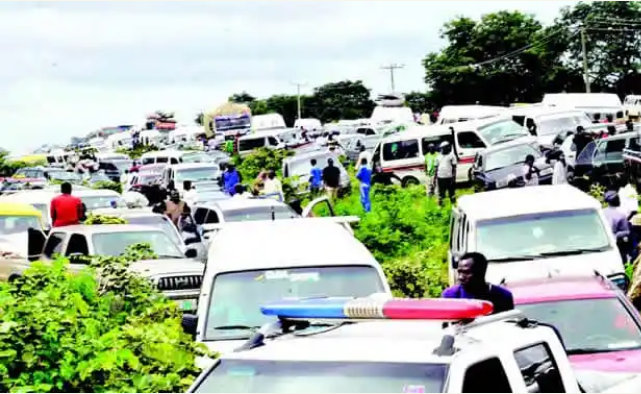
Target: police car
338	345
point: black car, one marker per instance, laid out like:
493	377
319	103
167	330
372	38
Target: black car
113	169
501	166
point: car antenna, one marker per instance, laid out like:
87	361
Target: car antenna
273	213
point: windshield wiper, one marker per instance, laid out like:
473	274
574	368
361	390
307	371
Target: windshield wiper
573	252
589	350
513	258
237	327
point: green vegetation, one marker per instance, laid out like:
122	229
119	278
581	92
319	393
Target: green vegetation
63	332
108	185
93	218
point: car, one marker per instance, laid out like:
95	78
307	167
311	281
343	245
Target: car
298	168
366	345
197	173
114	168
531	231
500	166
600	328
279	258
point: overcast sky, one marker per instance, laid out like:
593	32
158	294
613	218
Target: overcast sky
70	68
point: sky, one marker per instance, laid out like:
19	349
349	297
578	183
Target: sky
70	68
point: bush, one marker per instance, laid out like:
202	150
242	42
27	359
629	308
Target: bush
108	185
262	159
63	332
93	218
137	151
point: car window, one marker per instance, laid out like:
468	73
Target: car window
200	215
510	156
212	217
469	140
434	140
400	150
173	160
272	141
54	244
162	160
250	144
77	245
18	224
148	160
476	377
613	150
539	370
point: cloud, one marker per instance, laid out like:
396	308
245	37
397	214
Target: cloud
77	66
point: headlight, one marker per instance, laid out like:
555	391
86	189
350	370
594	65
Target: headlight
620	280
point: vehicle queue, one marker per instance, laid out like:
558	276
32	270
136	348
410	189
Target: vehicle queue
542	260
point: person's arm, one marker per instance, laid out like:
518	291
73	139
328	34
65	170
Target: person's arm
52	211
454	164
359	174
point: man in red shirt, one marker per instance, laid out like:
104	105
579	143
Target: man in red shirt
66	209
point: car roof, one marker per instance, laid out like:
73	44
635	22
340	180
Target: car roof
189	166
18	208
506	145
525	200
308	155
126	212
293	242
560	288
231	204
90	229
436	130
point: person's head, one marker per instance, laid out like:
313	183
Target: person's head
580	129
126	171
612	198
610	118
187	185
445	147
529	160
65	188
471	270
313	162
431	148
230	167
174	196
597	116
271	174
239	188
330	162
364	161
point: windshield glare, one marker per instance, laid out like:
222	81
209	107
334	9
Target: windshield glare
157	221
98	202
550	232
197	174
196	158
259	213
508	157
554	125
502	130
18	224
236	297
605	325
115	243
259	376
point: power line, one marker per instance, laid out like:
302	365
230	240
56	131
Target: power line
393	67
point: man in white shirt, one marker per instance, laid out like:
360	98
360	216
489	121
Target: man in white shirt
273	185
124	179
530	172
364	154
559	176
446	173
190	195
629	198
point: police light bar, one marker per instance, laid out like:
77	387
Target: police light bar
368	308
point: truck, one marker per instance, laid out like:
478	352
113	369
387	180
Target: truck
381	344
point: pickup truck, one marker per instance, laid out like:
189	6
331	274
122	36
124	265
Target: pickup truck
334	345
175	273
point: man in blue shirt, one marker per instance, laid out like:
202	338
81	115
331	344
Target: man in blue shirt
316	177
231	177
472	285
364	175
618	220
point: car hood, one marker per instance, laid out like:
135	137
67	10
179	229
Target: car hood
620	361
607	263
163	267
220	347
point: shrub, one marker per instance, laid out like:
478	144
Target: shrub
63	332
93	218
262	159
138	151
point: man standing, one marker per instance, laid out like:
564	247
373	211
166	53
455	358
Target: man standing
618	222
273	186
175	206
190	194
530	172
66	210
471	271
431	158
363	154
331	178
364	175
230	178
315	177
446	173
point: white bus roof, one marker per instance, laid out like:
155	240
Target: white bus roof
469	111
583	100
525	200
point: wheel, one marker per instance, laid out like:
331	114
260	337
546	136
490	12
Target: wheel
410	181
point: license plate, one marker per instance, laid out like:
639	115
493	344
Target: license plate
187	305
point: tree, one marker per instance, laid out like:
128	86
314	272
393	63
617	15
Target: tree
242	98
420	102
259	107
340	100
497	60
285	105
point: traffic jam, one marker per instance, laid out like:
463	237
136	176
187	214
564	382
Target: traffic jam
543	295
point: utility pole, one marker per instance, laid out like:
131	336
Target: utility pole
298	106
393	67
586	77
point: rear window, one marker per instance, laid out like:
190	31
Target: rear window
250	144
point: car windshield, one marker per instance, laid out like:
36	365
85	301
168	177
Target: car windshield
236	297
18	224
157	221
197	174
552	125
266	376
122	165
98	202
510	156
589	326
543	233
115	243
501	131
259	213
43	208
196	157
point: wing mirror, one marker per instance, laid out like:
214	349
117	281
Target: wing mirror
189	324
191	253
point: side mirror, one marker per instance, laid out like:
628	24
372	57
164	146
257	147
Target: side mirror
189	324
191	253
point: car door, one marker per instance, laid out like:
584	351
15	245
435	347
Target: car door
614	155
468	144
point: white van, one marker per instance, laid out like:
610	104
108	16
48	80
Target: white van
403	153
533	232
461	113
546	122
240	279
271	139
632	106
119	140
267	122
601	104
384	114
308	124
174	157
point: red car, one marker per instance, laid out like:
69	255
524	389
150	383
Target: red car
600	328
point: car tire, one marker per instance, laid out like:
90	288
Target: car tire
410	181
